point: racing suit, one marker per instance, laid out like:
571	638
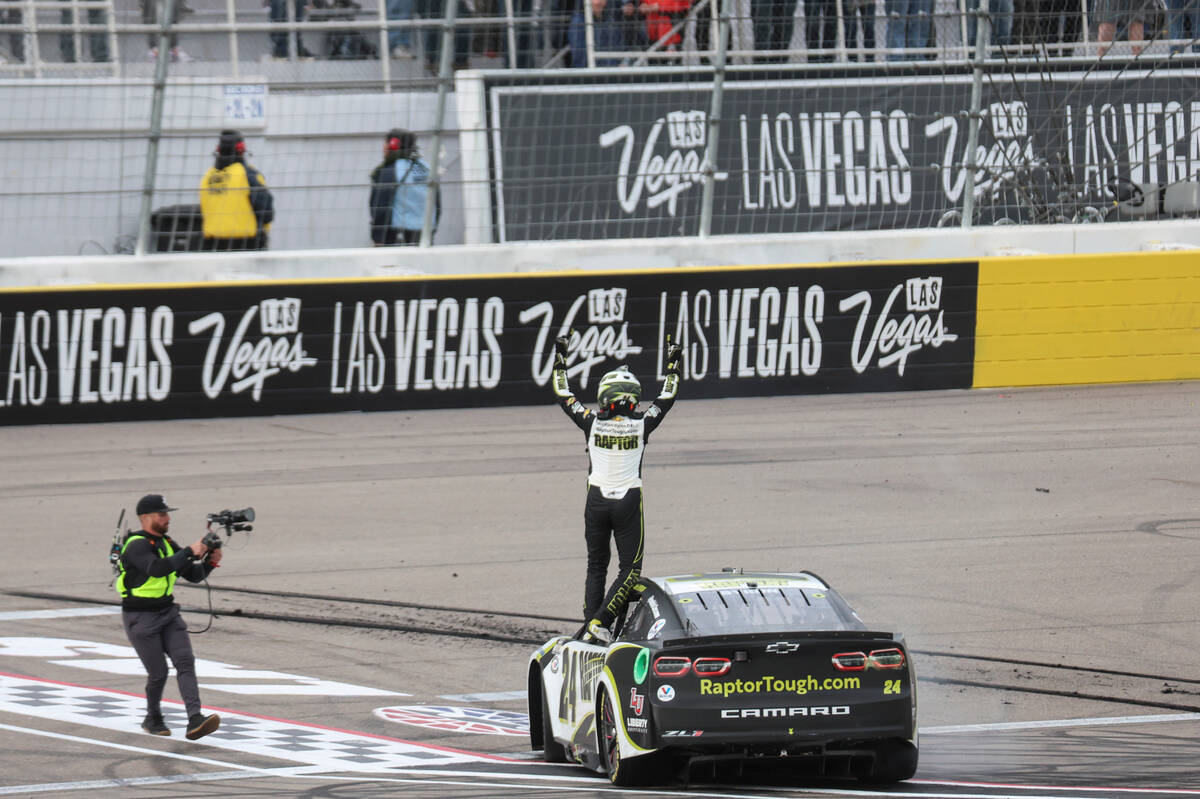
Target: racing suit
616	442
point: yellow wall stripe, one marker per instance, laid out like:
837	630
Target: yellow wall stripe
1088	319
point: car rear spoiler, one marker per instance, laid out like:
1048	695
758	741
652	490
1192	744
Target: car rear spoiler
807	634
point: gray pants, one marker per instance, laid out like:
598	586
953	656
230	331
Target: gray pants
157	634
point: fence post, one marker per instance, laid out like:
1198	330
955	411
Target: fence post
385	48
166	12
439	121
709	168
234	58
589	33
983	35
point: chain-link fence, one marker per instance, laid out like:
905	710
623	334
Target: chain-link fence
705	118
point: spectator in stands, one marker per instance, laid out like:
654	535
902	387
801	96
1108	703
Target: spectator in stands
861	18
661	17
98	41
1130	14
400	40
150	17
279	41
557	19
235	205
773	25
1054	21
400	192
347	43
1183	20
611	20
11	15
1001	14
908	27
524	35
432	36
820	28
1025	20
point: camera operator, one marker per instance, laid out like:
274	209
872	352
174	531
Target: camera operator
149	563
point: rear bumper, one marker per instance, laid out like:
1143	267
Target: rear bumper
794	742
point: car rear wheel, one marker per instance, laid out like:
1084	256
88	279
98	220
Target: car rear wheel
622	772
552	750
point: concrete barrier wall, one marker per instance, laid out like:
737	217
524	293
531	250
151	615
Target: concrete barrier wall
805	248
107	352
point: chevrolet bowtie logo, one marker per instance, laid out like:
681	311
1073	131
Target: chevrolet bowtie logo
783	647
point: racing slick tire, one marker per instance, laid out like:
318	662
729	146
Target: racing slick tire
895	761
552	750
625	773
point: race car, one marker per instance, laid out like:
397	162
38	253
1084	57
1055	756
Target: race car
716	672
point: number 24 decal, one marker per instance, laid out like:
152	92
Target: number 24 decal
891	686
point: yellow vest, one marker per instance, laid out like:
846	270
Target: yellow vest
154	587
225	203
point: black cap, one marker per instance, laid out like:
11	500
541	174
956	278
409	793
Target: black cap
153	503
227	144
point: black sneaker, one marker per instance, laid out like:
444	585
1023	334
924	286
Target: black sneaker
153	724
200	725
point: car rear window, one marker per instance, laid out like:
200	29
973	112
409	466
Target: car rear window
743	610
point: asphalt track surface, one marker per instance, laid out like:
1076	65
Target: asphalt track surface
1040	549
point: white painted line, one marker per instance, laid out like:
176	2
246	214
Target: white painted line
126	747
499	696
1037	725
597	785
240	773
1090	788
61	613
92	785
591	780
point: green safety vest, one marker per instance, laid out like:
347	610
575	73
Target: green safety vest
154	587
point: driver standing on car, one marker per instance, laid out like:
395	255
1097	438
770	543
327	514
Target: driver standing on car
616	440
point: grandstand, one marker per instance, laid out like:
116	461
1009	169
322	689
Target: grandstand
802	141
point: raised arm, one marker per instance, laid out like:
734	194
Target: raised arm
670	388
575	409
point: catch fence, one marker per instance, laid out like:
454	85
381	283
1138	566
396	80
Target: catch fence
716	122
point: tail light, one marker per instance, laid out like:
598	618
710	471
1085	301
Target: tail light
886	658
671	666
850	661
711	667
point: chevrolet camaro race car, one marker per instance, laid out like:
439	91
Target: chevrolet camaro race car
726	670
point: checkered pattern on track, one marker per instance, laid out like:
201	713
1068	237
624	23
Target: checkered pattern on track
330	749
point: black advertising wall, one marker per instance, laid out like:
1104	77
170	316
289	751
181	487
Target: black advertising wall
276	348
605	160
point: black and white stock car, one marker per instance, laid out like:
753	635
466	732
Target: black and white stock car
714	673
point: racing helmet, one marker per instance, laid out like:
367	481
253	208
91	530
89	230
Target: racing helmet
619	387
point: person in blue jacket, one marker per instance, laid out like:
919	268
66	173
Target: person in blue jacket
399	192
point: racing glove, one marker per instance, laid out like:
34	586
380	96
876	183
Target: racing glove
558	379
560	352
598	632
670	386
674	353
